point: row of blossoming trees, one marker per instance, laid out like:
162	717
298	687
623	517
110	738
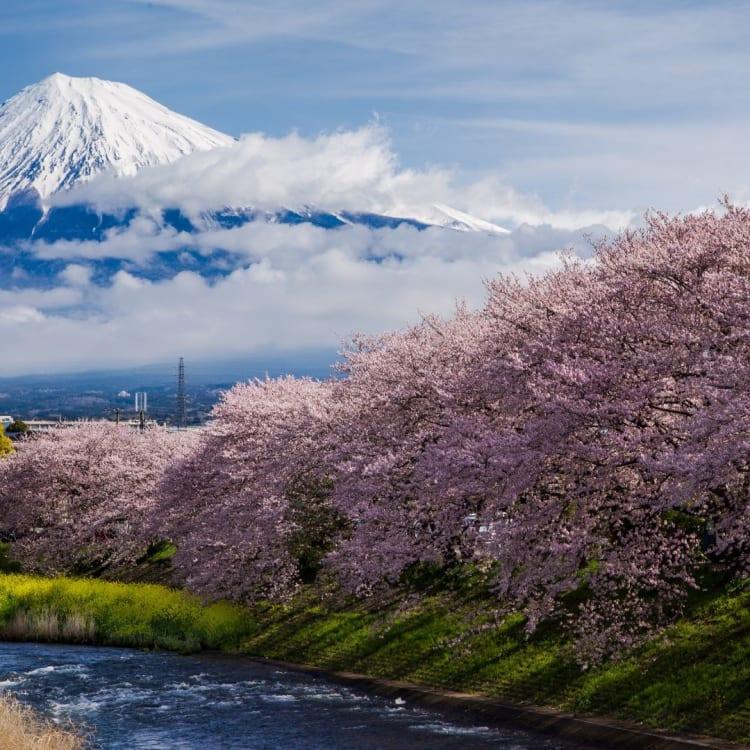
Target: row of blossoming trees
585	437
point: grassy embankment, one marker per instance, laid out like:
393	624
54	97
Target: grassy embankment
695	678
22	729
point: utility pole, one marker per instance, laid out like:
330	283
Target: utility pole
181	398
118	411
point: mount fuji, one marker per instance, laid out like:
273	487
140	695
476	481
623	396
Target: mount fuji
64	132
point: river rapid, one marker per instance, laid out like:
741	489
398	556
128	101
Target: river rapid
134	700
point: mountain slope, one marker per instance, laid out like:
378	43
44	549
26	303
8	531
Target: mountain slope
63	130
452	218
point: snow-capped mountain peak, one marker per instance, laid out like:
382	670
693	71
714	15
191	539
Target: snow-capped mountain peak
64	130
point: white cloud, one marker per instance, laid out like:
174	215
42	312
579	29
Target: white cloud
301	287
43	299
353	170
139	241
76	275
16	317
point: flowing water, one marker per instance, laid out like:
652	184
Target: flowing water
139	700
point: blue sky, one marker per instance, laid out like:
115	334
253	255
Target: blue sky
557	119
585	104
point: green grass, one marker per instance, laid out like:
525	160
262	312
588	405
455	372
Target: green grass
7	563
694	678
160	552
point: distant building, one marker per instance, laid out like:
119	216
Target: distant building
43	425
5	420
47	425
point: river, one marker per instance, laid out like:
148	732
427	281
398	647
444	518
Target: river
138	700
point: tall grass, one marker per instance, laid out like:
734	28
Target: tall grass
22	729
116	614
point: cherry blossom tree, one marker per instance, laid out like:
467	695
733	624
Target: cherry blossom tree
80	498
249	510
397	408
594	420
626	465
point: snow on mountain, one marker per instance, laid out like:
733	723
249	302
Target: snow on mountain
445	216
64	130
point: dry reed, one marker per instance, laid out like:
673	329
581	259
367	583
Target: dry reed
47	625
22	729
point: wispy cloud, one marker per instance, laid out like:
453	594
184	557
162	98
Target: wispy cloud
544	47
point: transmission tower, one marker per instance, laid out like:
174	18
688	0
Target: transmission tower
181	399
141	407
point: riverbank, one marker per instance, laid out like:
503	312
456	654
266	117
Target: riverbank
22	729
693	679
593	731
